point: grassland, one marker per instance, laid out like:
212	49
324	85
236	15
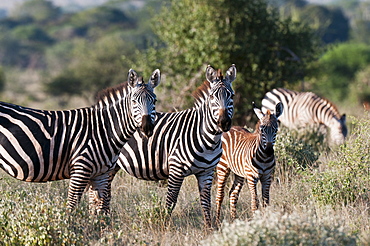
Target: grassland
320	196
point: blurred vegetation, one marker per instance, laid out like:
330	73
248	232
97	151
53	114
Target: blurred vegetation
286	43
268	51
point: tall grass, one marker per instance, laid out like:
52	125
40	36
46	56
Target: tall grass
318	197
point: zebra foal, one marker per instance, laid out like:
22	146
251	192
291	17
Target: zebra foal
249	156
80	144
302	109
185	142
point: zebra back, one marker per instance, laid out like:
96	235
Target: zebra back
302	109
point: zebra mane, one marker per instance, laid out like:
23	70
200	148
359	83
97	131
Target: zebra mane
116	91
201	93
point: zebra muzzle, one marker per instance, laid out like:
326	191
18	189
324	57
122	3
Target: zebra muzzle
224	122
269	150
146	126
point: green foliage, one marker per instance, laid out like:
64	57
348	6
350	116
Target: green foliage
96	65
295	152
38	10
346	178
97	21
331	24
267	52
273	228
337	68
360	88
31	33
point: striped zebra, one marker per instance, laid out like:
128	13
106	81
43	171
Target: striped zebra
249	156
304	109
186	142
80	144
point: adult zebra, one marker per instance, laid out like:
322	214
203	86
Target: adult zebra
249	156
80	144
302	109
186	142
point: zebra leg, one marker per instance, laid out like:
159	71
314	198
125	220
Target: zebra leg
234	195
77	184
95	202
174	185
98	194
222	175
266	183
252	184
204	186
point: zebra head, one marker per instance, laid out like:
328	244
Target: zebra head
268	126
221	96
338	130
143	101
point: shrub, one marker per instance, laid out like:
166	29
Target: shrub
295	151
273	228
346	176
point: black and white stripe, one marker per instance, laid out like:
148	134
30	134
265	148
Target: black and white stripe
186	142
81	144
250	156
304	109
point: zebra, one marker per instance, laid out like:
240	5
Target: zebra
80	144
185	142
304	109
249	156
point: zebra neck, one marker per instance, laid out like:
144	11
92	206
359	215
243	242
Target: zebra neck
116	123
263	153
207	127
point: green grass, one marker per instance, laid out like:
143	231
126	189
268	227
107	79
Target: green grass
315	200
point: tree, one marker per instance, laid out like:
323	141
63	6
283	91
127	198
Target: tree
38	10
330	23
338	67
268	52
95	65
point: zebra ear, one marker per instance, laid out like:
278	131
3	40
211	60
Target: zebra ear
257	111
279	109
132	78
231	73
155	79
211	74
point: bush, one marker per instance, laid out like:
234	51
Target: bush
25	220
295	151
273	228
346	176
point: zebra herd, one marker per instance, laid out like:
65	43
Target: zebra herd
122	130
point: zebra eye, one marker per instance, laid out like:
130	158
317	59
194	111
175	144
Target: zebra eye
134	102
211	96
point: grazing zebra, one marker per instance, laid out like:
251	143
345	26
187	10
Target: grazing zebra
249	156
80	144
302	109
186	142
